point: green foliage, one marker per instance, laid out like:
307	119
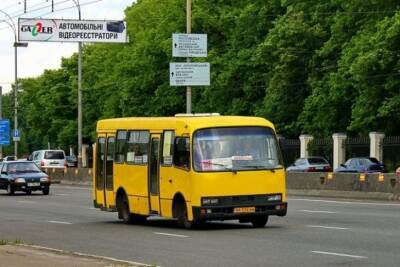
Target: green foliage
314	67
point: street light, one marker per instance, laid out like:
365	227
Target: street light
16	45
78	6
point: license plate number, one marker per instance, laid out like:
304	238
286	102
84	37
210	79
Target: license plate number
33	184
244	210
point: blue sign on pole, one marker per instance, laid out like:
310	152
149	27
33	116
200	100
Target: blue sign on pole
4	132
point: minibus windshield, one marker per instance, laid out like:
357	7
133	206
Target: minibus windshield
235	149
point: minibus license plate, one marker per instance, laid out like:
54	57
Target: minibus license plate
244	210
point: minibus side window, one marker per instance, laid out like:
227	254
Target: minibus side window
138	142
120	147
167	148
182	152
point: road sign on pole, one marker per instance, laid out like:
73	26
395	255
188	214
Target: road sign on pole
4	132
189	45
189	74
16	135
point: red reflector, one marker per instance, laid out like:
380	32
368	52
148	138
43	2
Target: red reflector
42	163
310	169
203	211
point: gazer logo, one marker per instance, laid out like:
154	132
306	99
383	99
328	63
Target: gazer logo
37	29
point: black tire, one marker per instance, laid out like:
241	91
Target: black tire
46	191
182	216
10	189
259	222
124	212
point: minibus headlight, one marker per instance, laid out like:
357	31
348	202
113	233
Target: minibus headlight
210	201
20	180
274	198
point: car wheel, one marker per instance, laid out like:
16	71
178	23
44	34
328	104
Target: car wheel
259	222
10	189
46	191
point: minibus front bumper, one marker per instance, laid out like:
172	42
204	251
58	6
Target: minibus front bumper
239	212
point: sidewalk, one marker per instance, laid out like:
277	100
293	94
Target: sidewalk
34	256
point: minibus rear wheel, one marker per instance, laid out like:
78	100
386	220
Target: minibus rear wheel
123	211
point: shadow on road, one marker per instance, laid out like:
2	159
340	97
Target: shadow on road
206	226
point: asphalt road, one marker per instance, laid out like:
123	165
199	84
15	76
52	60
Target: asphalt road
316	232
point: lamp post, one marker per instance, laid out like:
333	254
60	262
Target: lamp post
16	45
78	6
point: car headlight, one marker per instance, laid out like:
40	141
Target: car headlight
44	179
209	201
20	180
274	197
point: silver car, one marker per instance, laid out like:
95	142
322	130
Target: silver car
310	164
49	159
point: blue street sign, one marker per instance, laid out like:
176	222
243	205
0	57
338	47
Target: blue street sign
16	133
4	132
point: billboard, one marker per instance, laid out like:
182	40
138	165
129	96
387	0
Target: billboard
4	132
61	30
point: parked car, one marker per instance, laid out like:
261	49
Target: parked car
72	161
23	176
361	165
49	158
310	164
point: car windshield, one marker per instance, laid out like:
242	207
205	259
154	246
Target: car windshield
54	155
21	167
235	149
317	161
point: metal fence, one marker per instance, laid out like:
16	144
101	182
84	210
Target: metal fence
391	152
357	147
291	151
321	147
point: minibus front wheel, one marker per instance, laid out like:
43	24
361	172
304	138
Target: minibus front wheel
181	213
259	221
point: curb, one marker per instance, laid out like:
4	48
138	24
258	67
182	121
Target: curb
84	255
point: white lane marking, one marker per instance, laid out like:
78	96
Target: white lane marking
175	235
328	227
72	187
339	254
123	262
319	211
59	222
345	202
26	201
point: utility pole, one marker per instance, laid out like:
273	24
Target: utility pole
188	31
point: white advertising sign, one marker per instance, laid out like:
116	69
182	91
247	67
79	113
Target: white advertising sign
60	30
189	45
188	74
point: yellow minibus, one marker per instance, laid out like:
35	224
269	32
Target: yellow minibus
193	168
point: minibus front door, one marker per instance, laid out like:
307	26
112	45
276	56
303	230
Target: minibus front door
154	175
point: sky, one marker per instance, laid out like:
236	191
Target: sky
38	56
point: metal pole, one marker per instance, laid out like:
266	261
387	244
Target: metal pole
79	93
188	30
16	100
